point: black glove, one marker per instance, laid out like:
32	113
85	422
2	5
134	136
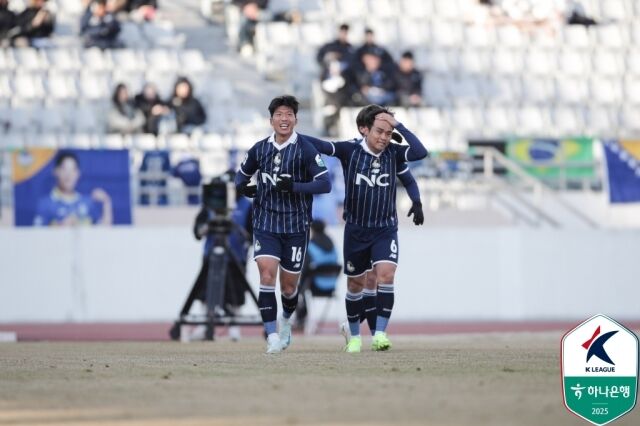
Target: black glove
284	184
247	190
416	211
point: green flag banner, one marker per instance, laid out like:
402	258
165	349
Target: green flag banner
544	158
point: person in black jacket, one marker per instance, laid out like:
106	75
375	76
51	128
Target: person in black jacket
189	111
409	81
377	84
370	46
154	109
33	23
99	27
7	19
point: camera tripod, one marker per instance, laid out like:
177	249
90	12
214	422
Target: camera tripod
220	264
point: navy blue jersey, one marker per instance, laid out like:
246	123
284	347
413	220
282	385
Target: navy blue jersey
370	182
275	211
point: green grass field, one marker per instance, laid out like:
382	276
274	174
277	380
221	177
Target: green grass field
475	379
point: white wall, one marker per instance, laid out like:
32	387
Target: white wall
144	274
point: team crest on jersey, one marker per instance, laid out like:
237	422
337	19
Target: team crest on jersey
277	160
375	163
319	161
350	266
257	246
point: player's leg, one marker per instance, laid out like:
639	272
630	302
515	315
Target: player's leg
294	247
353	305
267	256
357	261
369	310
385	255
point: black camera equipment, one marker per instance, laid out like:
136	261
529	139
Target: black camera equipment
222	266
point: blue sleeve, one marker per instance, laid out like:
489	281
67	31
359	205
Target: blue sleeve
410	184
415	151
333	149
319	185
240	179
250	163
43	216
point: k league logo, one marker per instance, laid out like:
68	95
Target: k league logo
600	370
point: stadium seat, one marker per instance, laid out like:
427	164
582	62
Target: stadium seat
413	33
600	122
478	36
476	61
507	61
53	120
630	119
161	33
13	141
573	62
611	36
214	163
165	82
29	59
82	141
430	119
464	90
29	86
532	121
608	63
616	10
95	59
567	121
115	141
145	142
632	90
61	86
499	120
385	9
193	61
541	62
64	59
386	31
213	142
128	59
163	60
45	140
7	60
6	91
538	90
510	36
134	80
464	119
131	36
446	34
94	85
576	36
350	10
435	60
606	90
571	91
417	8
434	92
178	142
85	119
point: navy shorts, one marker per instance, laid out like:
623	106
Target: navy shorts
289	249
364	247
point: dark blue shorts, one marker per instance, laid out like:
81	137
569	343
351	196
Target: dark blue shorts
289	249
364	247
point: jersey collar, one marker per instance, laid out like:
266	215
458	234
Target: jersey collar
363	144
56	194
292	139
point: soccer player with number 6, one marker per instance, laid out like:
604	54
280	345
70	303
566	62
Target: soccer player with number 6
290	170
371	232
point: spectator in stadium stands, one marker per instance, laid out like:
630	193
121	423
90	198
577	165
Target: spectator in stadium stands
33	25
370	46
376	84
189	111
64	206
251	10
156	112
576	15
139	10
124	117
409	81
99	27
334	59
7	20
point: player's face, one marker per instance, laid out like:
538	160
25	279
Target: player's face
283	122
379	136
67	175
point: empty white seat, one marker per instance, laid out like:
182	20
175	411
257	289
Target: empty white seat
145	142
85	119
192	61
576	36
511	36
430	118
115	141
567	121
131	35
95	59
52	119
539	61
6	91
413	33
386	31
417	8
608	62
161	33
162	60
465	119
632	90
82	140
533	121
616	10
606	90
499	120
571	90
64	59
600	122
30	59
213	142
611	36
435	60
434	91
630	119
573	62
633	61
447	34
29	86
7	59
479	36
13	141
45	140
538	90
464	90
61	86
383	8
178	142
349	10
506	61
447	9
134	80
474	61
128	59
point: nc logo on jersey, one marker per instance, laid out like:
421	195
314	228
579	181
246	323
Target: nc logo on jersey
271	178
319	161
375	180
257	247
600	370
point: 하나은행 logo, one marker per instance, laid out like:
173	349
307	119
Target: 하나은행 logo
599	364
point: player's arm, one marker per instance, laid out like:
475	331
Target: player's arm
321	183
333	149
416	150
247	169
411	186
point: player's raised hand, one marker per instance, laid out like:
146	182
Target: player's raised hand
248	190
284	183
388	118
416	211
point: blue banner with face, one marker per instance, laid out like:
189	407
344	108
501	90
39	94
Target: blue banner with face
70	187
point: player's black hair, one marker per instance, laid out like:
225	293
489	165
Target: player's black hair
368	31
407	55
371	117
344	27
284	100
63	155
369	109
